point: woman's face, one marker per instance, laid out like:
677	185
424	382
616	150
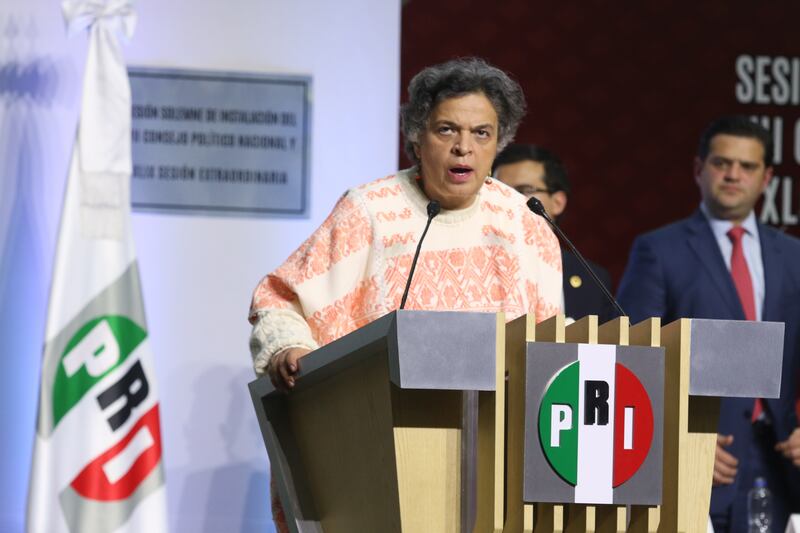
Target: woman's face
457	148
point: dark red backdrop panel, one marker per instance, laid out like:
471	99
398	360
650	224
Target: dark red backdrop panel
621	91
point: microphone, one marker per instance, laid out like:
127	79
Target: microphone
536	206
433	210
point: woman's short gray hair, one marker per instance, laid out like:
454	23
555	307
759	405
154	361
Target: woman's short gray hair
455	78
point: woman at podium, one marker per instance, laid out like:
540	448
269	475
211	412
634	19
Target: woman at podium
484	251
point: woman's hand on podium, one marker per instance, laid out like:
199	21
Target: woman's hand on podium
284	366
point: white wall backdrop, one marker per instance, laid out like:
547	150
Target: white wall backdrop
197	272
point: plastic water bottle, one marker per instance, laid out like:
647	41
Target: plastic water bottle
759	507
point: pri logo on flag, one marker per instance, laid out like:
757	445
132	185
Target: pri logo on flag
98	445
595	424
98	348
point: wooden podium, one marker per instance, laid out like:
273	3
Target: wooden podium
374	435
415	423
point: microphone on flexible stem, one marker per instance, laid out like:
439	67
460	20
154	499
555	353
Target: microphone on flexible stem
536	206
433	210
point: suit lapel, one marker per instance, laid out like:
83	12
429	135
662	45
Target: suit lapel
773	285
773	275
703	243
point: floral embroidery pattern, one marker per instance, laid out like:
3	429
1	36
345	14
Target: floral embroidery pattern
357	308
398	238
477	279
497	232
383	192
540	236
541	308
271	293
494	208
391	216
346	231
494	187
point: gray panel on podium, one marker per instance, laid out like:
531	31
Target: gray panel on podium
442	350
736	358
431	350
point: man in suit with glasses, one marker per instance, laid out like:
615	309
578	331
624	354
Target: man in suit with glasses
535	171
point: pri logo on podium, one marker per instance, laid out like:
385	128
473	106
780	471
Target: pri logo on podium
593	423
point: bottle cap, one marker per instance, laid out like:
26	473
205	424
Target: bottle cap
760	483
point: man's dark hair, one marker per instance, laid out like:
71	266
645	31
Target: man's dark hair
738	126
555	175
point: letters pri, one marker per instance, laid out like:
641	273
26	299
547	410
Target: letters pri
100	421
102	376
593	424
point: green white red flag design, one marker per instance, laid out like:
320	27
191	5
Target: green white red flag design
97	463
595	424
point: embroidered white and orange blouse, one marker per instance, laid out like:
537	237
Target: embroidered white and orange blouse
492	256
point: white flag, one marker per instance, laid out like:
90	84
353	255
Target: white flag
97	463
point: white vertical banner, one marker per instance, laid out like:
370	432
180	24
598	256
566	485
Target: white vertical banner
97	464
596	436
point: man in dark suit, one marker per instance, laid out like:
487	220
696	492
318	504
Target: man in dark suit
721	263
535	171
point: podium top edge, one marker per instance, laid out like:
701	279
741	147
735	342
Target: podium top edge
354	346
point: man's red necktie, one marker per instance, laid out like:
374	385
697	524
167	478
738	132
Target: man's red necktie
744	286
